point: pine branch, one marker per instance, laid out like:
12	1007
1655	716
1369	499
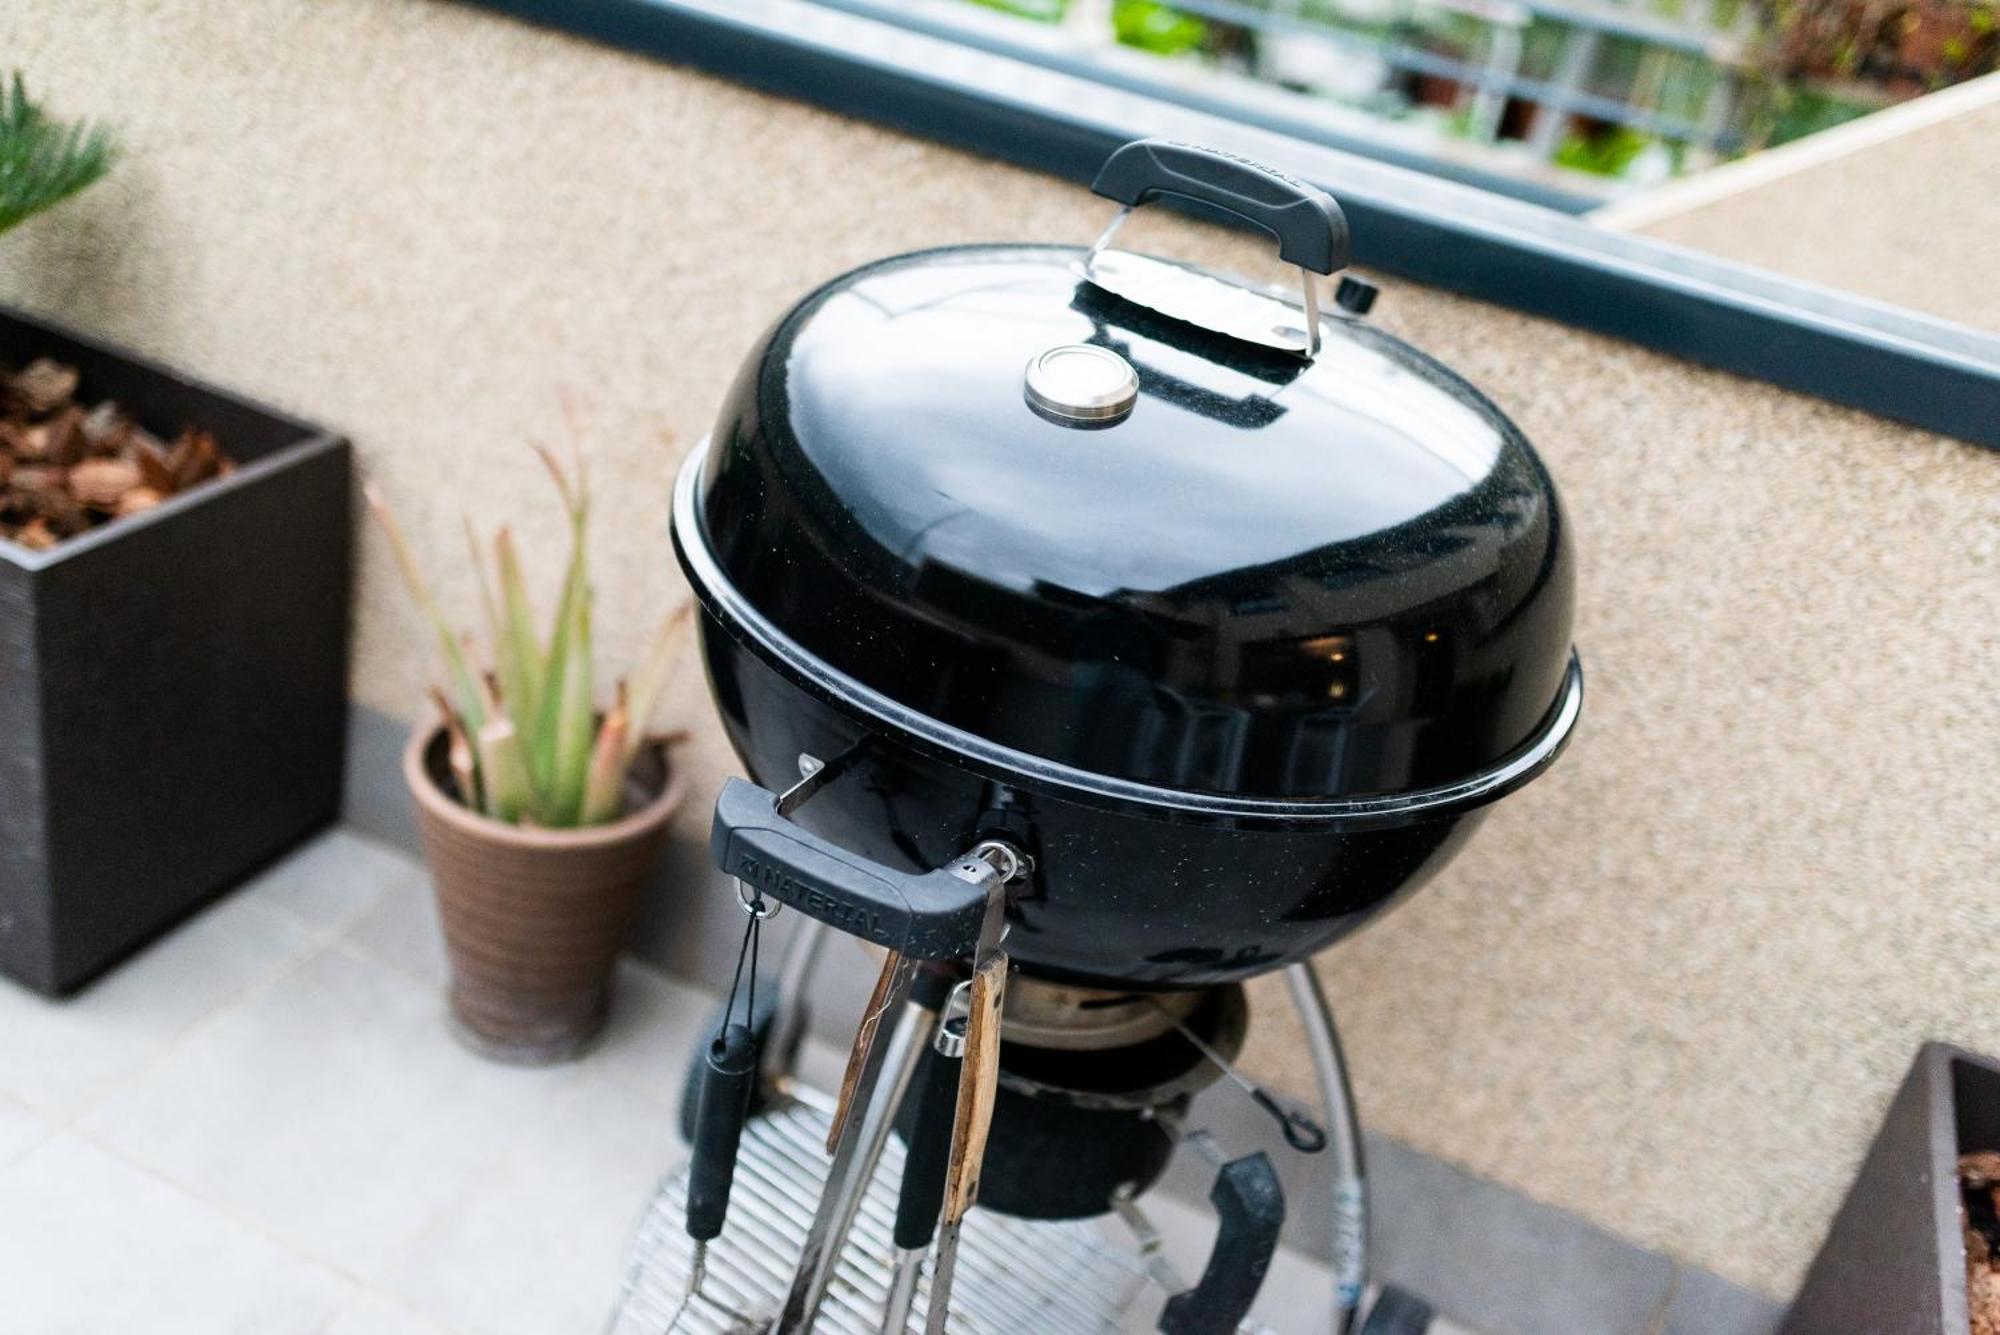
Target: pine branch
42	160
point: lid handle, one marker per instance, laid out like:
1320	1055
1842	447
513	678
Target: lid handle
1310	229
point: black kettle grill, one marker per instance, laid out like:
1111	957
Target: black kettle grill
1098	619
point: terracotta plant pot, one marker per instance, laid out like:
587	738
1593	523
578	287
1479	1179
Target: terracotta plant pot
534	919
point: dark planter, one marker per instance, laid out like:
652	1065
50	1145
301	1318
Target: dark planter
173	686
1893	1263
534	919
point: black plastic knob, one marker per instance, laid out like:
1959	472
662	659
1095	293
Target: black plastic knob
1354	295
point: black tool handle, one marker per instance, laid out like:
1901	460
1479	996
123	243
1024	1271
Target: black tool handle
1310	228
1252	1207
696	1076
928	1151
923	915
729	1071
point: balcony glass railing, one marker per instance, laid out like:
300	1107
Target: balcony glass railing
1570	101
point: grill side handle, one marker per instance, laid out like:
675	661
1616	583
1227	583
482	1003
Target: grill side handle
925	915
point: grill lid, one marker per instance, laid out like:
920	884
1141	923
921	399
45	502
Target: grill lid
1265	573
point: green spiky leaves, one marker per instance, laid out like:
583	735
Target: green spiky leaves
44	161
529	745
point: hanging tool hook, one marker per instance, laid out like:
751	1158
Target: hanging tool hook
755	904
1301	1131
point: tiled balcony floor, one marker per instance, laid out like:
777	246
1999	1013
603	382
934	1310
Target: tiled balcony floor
260	1126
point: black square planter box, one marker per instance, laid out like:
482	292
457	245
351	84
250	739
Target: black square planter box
173	686
1894	1261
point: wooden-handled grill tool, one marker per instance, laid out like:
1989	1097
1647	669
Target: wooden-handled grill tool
978	1082
952	913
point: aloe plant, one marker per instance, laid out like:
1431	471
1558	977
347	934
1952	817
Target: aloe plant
528	742
44	161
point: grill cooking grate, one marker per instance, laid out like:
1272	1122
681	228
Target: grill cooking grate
1013	1275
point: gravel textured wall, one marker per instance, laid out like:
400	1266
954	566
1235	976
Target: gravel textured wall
1670	986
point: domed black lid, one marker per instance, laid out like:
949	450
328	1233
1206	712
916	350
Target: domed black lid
1267	577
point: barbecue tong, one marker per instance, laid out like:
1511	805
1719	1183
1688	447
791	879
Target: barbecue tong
949	914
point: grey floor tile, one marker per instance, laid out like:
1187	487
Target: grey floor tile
1501	1263
374	800
1705	1304
371	1313
334	1109
60	1056
540	1242
1297	1295
284	1058
94	1244
655	1023
334	878
401	930
21	1129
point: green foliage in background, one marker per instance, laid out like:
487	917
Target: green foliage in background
1798	112
44	161
1768	72
1902	47
1607	153
1160	29
1042	11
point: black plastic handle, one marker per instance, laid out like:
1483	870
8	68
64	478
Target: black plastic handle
928	1154
1252	1207
926	915
1310	228
728	1071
